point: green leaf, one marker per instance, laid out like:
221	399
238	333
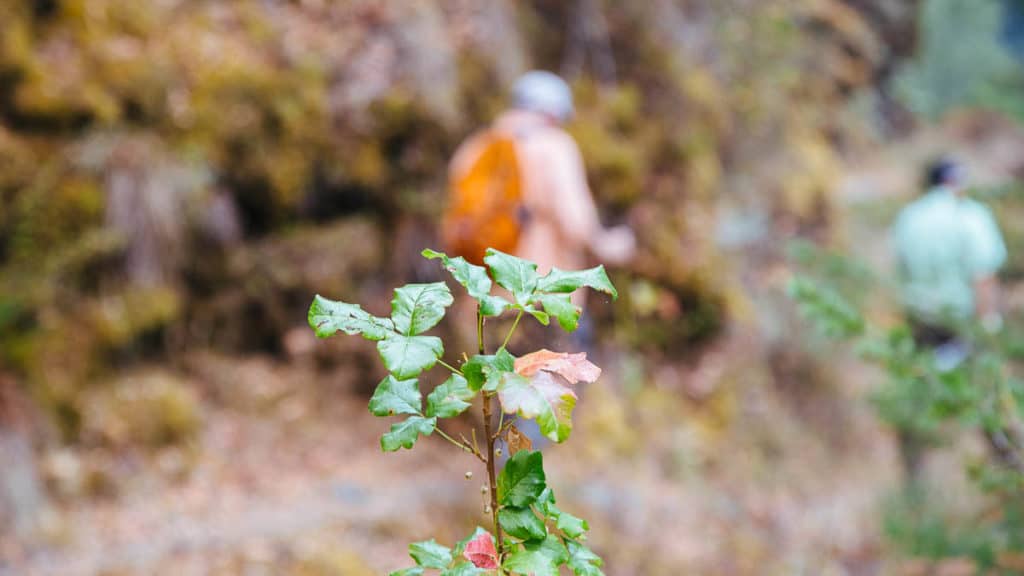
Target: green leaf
450	399
493	305
546	503
430	554
485	371
531	563
474	278
417	308
522	480
570	525
395	396
516	275
561	307
408	356
404	434
539	315
327	317
503	363
583	561
464	569
832	314
417	571
473	370
543	397
563	282
538	558
522	523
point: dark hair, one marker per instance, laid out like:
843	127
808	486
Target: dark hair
941	172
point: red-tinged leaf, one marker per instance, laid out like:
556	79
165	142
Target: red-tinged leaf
545	397
573	367
481	551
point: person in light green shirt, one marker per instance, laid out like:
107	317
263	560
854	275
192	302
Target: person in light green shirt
949	250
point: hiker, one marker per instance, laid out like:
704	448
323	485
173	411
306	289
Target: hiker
520	187
948	250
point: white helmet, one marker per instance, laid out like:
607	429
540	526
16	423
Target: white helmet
543	92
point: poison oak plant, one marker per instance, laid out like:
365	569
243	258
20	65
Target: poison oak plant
530	534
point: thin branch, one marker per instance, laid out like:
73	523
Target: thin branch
509	425
501	423
449	366
512	330
475	445
472	445
488	421
480	330
459	445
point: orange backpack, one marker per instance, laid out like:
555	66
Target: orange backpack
485	201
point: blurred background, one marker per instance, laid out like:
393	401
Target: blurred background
179	177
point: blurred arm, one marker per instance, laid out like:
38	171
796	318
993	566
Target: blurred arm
575	211
986	291
988	255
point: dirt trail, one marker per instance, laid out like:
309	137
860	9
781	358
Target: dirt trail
257	481
266	485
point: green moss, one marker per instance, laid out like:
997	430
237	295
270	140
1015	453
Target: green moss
482	94
151	408
671	318
120	319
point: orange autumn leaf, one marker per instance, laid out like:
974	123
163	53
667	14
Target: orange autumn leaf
573	367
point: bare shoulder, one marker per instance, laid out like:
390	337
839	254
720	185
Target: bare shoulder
556	143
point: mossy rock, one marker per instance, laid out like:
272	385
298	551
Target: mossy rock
150	409
52	212
671	318
122	319
619	145
263	289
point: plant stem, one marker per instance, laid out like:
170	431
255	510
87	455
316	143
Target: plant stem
480	331
460	445
449	366
491	476
501	422
489	438
512	330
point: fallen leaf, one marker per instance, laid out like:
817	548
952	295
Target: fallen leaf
481	551
573	367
